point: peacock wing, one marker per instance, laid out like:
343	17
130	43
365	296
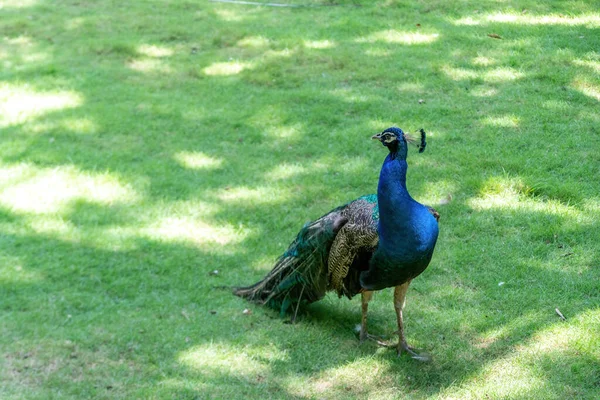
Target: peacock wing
350	240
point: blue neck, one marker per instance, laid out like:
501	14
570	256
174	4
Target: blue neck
392	182
395	203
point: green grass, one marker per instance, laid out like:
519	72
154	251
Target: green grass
145	144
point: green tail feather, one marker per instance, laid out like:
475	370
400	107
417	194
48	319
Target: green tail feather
300	274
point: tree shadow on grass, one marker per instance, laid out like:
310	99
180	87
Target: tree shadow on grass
119	296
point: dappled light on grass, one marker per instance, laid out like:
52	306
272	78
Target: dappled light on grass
556	105
25	188
246	196
522	372
588	88
155	51
511	200
459	74
504	121
227	68
285	171
150	65
319	44
17	3
54	226
23	46
152	59
591	20
505	378
592	205
571	335
360	376
507	193
591	64
502	75
51	126
194	231
253	42
241	361
284	131
484	91
399	37
20	103
197	160
270	120
433	194
230	15
483	61
378	52
491	76
79	125
13	271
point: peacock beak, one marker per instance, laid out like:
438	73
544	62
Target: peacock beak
376	137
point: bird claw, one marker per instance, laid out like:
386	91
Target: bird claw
376	339
404	347
364	336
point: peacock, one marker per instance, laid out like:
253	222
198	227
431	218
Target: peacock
371	243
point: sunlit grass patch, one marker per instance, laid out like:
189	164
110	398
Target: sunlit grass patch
229	15
246	196
155	51
230	359
54	226
196	232
150	65
483	61
79	125
502	75
591	64
523	371
484	91
254	41
591	20
286	171
399	37
354	377
226	68
588	88
45	191
459	74
17	3
21	103
505	121
319	44
25	47
198	160
490	76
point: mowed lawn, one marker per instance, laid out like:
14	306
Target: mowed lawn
154	153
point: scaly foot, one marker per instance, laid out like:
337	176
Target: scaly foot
364	336
404	347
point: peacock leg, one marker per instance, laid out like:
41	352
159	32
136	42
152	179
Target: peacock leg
365	298
364	333
399	301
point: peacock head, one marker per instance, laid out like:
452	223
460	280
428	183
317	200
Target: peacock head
397	141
